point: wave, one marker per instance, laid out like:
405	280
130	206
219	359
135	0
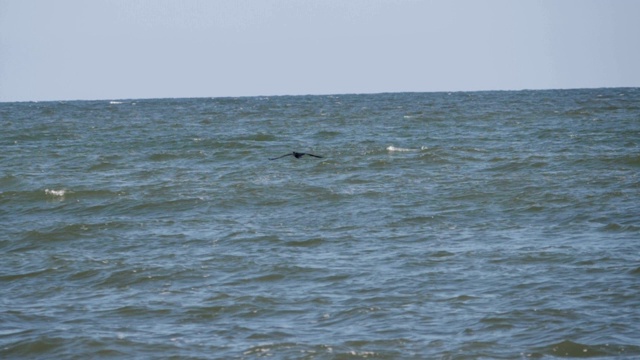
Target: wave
392	148
569	348
61	193
55	193
615	227
24	197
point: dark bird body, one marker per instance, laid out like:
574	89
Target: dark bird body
298	155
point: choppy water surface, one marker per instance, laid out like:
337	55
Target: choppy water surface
446	226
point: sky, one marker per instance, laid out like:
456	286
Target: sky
130	49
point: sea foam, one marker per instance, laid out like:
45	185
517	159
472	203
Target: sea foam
56	193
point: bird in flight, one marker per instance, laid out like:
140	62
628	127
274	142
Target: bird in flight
298	155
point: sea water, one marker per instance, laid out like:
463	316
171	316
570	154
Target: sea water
467	225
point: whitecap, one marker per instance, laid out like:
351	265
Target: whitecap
393	148
57	193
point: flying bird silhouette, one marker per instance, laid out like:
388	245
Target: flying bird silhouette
298	155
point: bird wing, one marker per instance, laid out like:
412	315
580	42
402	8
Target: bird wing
318	156
280	156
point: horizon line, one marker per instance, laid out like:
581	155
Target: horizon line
318	94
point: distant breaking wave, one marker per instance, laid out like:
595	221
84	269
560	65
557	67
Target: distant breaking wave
399	149
56	193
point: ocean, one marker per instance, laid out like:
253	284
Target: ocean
464	225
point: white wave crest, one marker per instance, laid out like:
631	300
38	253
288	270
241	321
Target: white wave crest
393	148
57	193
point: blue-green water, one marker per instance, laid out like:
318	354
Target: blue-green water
484	225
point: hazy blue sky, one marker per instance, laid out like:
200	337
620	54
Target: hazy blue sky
99	49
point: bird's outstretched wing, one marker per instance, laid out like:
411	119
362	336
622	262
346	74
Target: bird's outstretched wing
280	156
297	155
318	156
